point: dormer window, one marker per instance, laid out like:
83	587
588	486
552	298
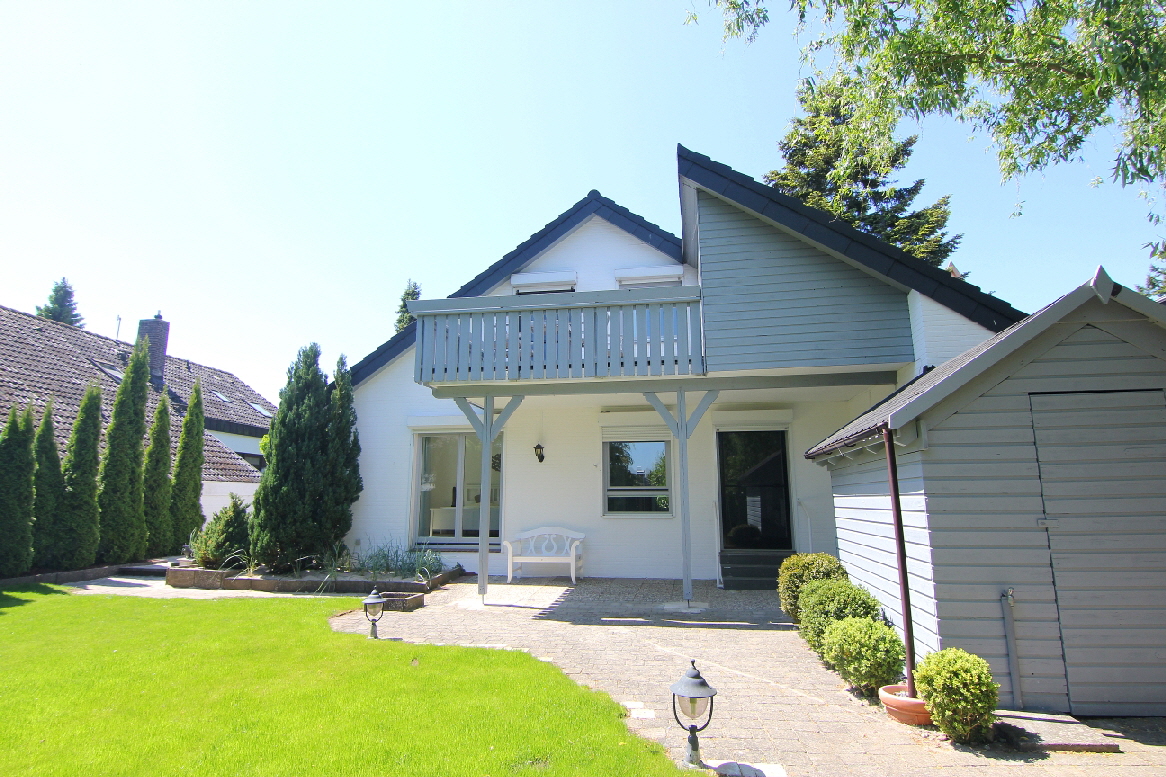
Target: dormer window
649	277
543	282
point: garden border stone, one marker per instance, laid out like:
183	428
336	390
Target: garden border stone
58	578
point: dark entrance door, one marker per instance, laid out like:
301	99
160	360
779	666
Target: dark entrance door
755	503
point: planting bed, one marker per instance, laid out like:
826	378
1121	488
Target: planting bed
196	577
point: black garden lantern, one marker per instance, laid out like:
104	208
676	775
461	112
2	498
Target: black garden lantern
693	695
374	608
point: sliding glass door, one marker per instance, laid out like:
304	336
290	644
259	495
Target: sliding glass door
451	493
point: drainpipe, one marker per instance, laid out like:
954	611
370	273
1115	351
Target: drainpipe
901	552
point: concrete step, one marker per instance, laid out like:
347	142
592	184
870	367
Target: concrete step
143	570
749	583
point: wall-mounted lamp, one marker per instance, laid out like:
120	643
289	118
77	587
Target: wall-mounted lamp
538	453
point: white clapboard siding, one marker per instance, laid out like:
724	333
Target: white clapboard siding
866	540
1103	476
773	300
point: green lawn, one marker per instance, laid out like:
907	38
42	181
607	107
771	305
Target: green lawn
109	685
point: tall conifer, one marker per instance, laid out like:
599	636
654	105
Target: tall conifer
78	525
49	496
17	465
61	305
186	496
123	522
343	482
156	484
868	200
288	510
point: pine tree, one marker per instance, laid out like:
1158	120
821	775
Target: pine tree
49	496
186	494
288	508
61	305
78	527
867	201
17	465
343	480
123	522
156	484
404	317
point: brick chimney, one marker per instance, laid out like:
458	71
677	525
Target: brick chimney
159	332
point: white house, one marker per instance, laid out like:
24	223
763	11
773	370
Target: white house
768	324
1032	477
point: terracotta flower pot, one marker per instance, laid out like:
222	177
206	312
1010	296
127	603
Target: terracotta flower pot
903	708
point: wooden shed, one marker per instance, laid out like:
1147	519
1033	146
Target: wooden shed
1033	464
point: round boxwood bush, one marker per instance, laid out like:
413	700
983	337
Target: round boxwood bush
868	654
960	695
826	601
799	569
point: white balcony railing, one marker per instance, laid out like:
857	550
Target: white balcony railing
646	332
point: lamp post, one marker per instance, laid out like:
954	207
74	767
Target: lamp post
693	695
374	608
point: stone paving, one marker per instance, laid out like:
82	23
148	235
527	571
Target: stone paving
776	704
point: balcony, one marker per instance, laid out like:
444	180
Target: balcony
562	336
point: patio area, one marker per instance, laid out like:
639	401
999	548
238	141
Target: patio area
776	705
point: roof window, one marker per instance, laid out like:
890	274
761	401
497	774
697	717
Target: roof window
221	396
260	409
112	370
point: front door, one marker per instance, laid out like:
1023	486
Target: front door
755	501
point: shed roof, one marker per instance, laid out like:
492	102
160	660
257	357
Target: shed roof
42	360
927	390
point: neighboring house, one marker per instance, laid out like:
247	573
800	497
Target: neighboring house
42	360
770	323
1034	462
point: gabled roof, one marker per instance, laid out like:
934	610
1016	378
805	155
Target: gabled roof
42	360
866	251
594	204
931	388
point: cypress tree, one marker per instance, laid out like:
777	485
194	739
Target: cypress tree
186	494
343	481
49	496
17	465
123	522
288	510
78	527
868	201
156	484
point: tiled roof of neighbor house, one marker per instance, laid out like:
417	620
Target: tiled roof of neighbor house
928	389
866	250
42	360
594	204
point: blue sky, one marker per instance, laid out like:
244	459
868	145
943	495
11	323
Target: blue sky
271	173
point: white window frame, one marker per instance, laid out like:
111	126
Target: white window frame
630	490
415	488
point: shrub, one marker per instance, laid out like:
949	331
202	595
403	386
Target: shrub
397	560
868	654
826	601
959	692
223	537
799	569
77	522
49	495
156	484
17	465
186	487
119	498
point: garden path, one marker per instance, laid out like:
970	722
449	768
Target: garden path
776	702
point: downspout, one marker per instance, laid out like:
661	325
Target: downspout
901	553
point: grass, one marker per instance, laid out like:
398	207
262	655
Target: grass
109	685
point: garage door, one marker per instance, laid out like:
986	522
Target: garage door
1103	478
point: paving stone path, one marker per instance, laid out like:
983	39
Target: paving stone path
776	704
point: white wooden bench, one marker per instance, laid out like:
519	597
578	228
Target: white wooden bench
545	545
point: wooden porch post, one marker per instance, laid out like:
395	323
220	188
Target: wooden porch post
682	426
486	428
